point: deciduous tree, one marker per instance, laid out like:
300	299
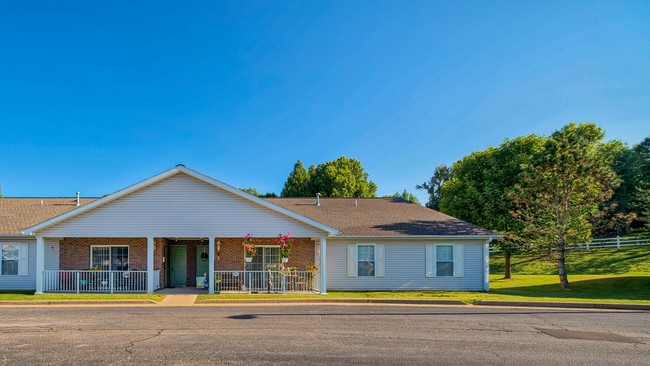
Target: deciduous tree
564	183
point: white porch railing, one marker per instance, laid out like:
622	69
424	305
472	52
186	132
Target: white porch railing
265	281
98	281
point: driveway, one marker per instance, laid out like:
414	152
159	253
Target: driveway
326	335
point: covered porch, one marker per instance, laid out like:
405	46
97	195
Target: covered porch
145	265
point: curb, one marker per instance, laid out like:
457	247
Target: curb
331	301
79	302
570	305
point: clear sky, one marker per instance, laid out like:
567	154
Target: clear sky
95	96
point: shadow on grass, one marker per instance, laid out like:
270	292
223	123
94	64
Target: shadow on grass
613	288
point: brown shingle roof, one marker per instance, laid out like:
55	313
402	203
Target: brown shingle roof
378	217
17	214
371	216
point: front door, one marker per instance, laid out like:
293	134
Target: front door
178	265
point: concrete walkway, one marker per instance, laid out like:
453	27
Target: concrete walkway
179	300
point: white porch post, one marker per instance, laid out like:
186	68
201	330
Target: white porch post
150	272
323	265
211	265
40	263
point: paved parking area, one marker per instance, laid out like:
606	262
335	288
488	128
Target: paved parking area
325	335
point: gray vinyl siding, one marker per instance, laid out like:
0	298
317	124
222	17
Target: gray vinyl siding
29	282
180	206
405	268
51	255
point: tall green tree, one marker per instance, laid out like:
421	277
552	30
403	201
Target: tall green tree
407	196
479	191
561	188
342	177
433	186
297	184
641	204
254	192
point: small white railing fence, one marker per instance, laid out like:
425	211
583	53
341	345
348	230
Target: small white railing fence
265	281
98	281
616	242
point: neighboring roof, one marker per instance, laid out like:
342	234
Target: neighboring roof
380	217
179	169
18	213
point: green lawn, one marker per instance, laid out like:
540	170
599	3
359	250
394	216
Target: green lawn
585	288
627	260
29	296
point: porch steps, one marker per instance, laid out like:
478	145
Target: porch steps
178	300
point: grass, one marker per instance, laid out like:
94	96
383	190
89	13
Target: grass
585	288
627	260
29	296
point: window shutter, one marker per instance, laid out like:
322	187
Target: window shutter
23	259
352	260
430	260
459	268
380	254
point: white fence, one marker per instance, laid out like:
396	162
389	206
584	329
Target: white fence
265	281
98	281
616	242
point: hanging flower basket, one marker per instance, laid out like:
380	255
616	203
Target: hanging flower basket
248	259
286	243
285	260
249	247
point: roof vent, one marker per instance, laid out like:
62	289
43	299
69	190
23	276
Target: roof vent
317	199
355	203
77	198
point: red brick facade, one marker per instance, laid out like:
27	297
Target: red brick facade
231	256
75	253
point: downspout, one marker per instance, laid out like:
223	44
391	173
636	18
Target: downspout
486	264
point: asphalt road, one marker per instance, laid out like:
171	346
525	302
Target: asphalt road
326	335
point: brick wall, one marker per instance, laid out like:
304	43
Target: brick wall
75	252
232	253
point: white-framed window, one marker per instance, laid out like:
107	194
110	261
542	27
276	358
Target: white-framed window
109	257
14	259
366	260
266	257
445	260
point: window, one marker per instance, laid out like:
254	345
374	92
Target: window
365	260
444	260
9	263
266	258
109	258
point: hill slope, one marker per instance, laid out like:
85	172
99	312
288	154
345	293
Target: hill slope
629	260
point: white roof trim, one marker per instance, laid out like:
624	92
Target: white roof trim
166	174
418	237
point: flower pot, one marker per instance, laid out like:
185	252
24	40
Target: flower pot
248	259
285	260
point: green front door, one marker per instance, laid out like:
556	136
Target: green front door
178	265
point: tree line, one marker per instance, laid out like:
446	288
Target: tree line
549	192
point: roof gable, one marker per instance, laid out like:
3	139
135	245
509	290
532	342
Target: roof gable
167	195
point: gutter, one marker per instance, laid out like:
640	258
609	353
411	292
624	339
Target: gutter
418	237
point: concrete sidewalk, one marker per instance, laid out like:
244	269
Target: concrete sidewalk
179	300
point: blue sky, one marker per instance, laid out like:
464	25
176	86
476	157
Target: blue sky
97	96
